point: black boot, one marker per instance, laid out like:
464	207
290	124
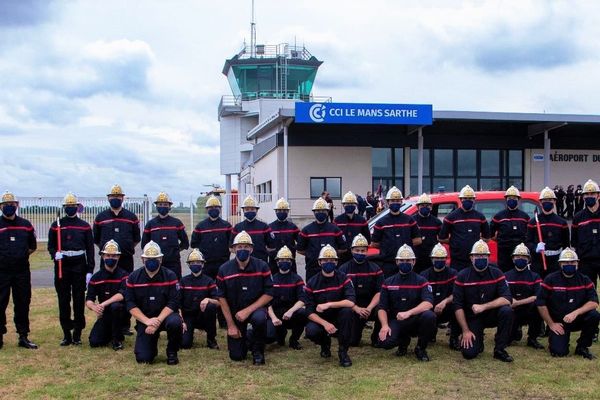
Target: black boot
76	337
401	352
345	360
454	343
212	344
258	358
294	344
421	354
503	356
533	343
326	350
26	343
117	345
584	352
67	339
1	341
172	358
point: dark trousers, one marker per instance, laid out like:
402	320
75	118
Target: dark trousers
146	346
125	263
238	348
278	333
501	317
423	262
358	325
505	262
71	287
590	268
551	264
175	268
526	315
586	323
311	270
20	284
422	326
448	316
211	268
341	318
108	327
206	321
389	268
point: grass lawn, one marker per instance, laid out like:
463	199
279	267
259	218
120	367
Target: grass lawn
81	372
40	259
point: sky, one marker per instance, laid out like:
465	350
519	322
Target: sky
94	93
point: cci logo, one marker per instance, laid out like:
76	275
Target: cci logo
317	112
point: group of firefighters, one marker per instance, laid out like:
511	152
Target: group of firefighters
545	277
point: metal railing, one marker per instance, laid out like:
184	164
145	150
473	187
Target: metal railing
42	211
273	51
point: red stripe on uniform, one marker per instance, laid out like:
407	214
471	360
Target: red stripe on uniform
352	224
287	231
398	287
321	234
329	289
510	219
165	228
365	274
199	287
429	228
138	285
490	282
528	283
561	288
108	221
17	228
288	285
212	230
81	228
244	275
549	224
460	221
589	221
394	226
443	282
108	281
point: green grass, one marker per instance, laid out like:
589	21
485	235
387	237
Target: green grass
81	372
40	259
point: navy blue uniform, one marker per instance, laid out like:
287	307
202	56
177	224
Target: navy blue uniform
585	236
194	289
241	288
464	228
511	228
367	279
524	284
313	238
287	290
556	236
283	233
151	296
212	238
403	292
123	228
442	285
76	236
260	234
351	227
429	227
169	234
102	287
391	232
17	240
322	289
473	287
563	295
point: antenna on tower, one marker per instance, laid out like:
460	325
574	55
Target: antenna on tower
252	34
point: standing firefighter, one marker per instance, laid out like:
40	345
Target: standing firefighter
429	226
258	230
152	298
168	232
567	302
318	234
351	223
585	231
509	228
73	261
394	230
463	227
107	286
212	236
329	298
17	242
283	233
555	235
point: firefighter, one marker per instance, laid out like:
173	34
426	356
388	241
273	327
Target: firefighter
351	223
258	230
76	258
585	231
509	228
283	233
429	226
168	232
394	230
462	228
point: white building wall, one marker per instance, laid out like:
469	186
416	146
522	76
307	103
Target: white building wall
266	169
567	167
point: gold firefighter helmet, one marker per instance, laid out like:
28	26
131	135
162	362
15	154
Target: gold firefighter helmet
405	252
394	194
242	238
480	248
590	187
8	197
116	190
282	204
320	205
284	253
424	199
359	241
195	256
547	194
521	250
70	200
212	201
111	247
163	198
567	255
439	251
249	201
152	250
512	191
328	252
349	198
466	192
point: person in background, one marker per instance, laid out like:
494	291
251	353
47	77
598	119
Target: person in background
570	202
578	199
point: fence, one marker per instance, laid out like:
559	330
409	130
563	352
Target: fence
42	211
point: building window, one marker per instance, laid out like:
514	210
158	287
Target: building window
414	172
443	170
331	185
387	169
263	192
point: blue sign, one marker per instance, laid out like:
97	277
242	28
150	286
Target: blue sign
355	113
